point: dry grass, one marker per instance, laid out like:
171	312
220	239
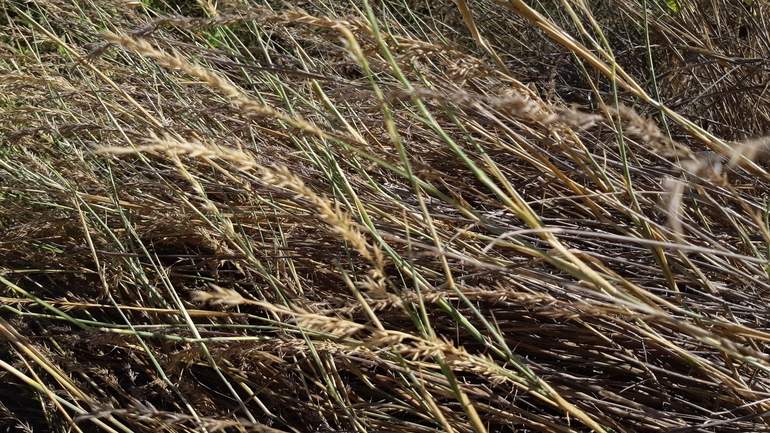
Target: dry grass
393	217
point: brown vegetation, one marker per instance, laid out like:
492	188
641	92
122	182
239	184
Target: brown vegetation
384	217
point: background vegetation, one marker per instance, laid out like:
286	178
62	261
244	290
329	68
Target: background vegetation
384	216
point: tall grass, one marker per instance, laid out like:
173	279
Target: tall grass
384	216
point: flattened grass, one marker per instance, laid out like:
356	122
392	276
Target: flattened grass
401	217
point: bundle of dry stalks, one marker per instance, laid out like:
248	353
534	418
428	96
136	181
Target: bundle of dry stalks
383	216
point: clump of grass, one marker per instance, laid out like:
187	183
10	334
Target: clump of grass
342	216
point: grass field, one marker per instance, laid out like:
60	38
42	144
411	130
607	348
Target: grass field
384	216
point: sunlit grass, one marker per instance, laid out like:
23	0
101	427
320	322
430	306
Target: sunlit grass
393	216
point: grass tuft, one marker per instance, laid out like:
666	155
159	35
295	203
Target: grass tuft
388	216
